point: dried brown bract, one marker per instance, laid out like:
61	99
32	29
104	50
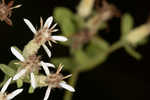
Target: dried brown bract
6	11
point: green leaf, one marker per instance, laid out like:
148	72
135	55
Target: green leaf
97	46
96	52
7	70
80	58
100	43
132	52
126	24
79	22
19	83
68	63
31	90
65	19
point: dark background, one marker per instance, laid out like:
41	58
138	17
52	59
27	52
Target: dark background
121	77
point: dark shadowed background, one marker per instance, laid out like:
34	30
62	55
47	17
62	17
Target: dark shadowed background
121	77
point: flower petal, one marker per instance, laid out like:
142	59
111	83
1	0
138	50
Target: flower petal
18	75
6	85
49	65
45	67
54	30
29	24
17	54
14	93
33	81
47	93
59	38
17	6
47	50
48	22
66	86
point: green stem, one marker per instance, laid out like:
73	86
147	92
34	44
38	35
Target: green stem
116	46
72	81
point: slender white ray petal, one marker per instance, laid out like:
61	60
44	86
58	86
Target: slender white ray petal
17	6
14	93
54	30
59	38
47	93
17	54
66	86
19	74
6	85
45	68
47	50
33	81
48	22
49	65
29	24
53	26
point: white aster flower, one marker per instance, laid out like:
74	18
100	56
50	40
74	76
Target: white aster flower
30	65
43	35
4	96
55	80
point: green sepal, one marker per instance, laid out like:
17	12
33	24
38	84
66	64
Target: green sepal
19	83
14	64
31	90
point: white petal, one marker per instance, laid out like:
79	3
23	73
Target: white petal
45	67
66	86
48	22
33	81
59	38
19	74
29	24
47	93
49	65
14	93
17	54
54	30
17	6
6	85
47	50
53	26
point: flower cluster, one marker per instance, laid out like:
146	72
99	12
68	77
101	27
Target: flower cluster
6	11
43	35
32	63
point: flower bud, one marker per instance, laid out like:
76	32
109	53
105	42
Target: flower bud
138	34
85	7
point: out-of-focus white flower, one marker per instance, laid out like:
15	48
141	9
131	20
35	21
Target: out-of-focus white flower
85	7
4	96
55	80
44	33
30	65
138	34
